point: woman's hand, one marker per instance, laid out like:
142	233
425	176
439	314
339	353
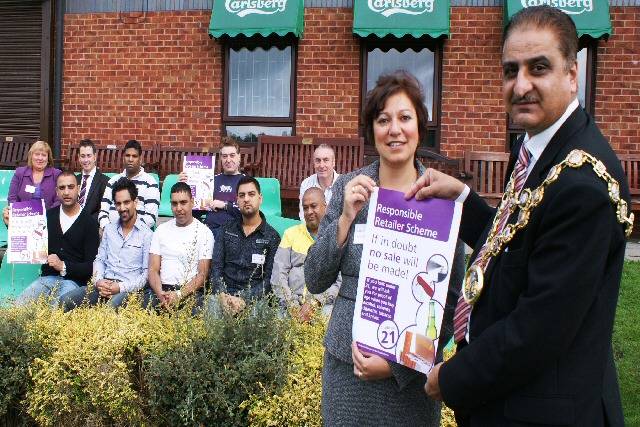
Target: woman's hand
369	367
356	194
434	183
5	215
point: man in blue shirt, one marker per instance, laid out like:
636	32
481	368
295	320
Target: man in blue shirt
123	256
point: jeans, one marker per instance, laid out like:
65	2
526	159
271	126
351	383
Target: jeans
73	299
51	287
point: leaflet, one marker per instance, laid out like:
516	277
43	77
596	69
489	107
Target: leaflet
405	268
200	176
27	234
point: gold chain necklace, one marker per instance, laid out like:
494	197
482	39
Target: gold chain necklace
525	201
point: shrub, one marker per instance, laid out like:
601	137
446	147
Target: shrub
206	382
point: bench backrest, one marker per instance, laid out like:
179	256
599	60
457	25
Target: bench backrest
487	171
170	159
289	159
631	167
14	151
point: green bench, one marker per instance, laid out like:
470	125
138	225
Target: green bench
165	196
14	278
5	182
281	223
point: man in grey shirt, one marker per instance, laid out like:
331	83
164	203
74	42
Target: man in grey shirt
123	256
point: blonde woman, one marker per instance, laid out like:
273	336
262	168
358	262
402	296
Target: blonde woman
37	180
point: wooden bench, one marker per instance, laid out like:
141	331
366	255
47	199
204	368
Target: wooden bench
170	159
486	171
290	159
631	167
14	151
111	159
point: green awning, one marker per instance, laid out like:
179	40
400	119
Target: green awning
415	18
590	16
251	17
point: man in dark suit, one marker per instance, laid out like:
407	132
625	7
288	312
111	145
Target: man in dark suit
91	181
534	329
72	246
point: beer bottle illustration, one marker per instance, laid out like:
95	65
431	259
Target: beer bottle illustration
432	332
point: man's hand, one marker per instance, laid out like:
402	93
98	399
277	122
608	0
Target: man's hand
182	177
432	387
5	215
434	183
305	312
231	304
107	288
55	262
369	367
170	299
216	205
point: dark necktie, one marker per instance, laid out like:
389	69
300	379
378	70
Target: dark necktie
83	190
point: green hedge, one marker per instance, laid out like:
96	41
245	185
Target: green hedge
96	367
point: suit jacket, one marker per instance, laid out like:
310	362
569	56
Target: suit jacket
77	247
540	333
94	193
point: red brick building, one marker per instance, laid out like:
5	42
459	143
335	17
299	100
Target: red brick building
153	73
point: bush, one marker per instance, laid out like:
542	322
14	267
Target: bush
205	383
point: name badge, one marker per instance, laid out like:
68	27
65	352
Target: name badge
257	259
358	234
30	189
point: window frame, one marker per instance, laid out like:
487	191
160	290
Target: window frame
386	43
591	44
252	43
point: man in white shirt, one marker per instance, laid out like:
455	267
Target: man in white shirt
91	181
180	255
324	164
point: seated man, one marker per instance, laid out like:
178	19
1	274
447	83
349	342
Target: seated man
287	278
148	190
123	256
73	244
324	164
244	252
92	182
180	254
223	206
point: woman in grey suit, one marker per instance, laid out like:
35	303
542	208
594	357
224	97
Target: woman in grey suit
360	389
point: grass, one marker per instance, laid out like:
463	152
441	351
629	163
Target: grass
626	342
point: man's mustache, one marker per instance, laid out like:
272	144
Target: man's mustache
515	100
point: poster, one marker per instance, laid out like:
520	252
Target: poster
407	253
200	176
27	234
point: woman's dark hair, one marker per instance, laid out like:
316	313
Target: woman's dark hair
387	86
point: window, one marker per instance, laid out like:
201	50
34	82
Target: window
586	85
420	57
259	86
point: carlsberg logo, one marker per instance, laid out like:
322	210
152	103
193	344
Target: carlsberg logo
570	7
261	7
408	7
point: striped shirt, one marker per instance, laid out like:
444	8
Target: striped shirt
148	200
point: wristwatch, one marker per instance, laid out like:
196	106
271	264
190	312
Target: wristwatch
63	272
179	293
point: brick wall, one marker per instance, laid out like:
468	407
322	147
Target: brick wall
160	80
618	81
328	101
472	110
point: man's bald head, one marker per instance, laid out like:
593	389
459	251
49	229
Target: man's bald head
314	206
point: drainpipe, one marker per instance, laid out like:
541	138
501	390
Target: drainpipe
57	85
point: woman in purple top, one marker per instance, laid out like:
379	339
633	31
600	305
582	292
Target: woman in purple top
37	180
